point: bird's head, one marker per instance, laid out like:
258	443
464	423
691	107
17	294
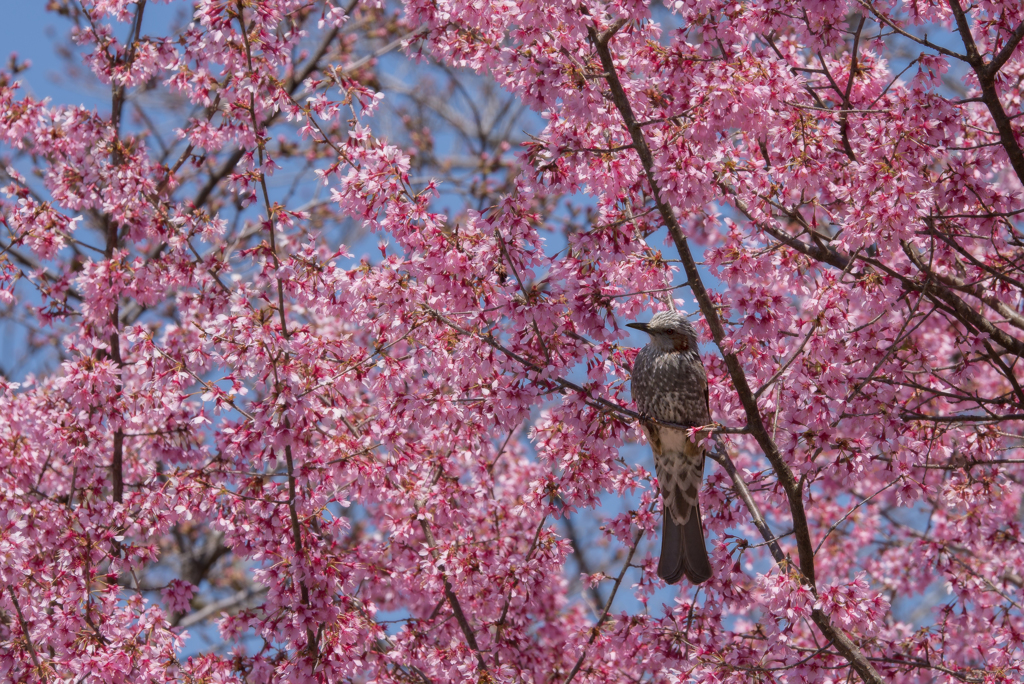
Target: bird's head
670	331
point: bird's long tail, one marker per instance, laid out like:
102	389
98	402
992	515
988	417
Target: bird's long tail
683	551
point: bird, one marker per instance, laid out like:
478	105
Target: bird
669	384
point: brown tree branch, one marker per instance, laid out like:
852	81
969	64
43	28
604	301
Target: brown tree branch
721	457
884	19
939	293
987	80
113	242
312	645
24	629
793	489
596	629
453	600
1001	58
500	624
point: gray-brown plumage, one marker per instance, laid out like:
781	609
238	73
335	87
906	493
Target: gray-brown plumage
669	384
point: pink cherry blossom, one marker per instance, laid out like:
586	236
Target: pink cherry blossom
315	363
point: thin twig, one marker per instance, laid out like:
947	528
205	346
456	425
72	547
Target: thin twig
595	630
839	522
24	628
453	600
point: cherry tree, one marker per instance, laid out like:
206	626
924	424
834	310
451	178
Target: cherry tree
224	420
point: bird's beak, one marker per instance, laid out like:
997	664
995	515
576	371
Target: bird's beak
642	327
